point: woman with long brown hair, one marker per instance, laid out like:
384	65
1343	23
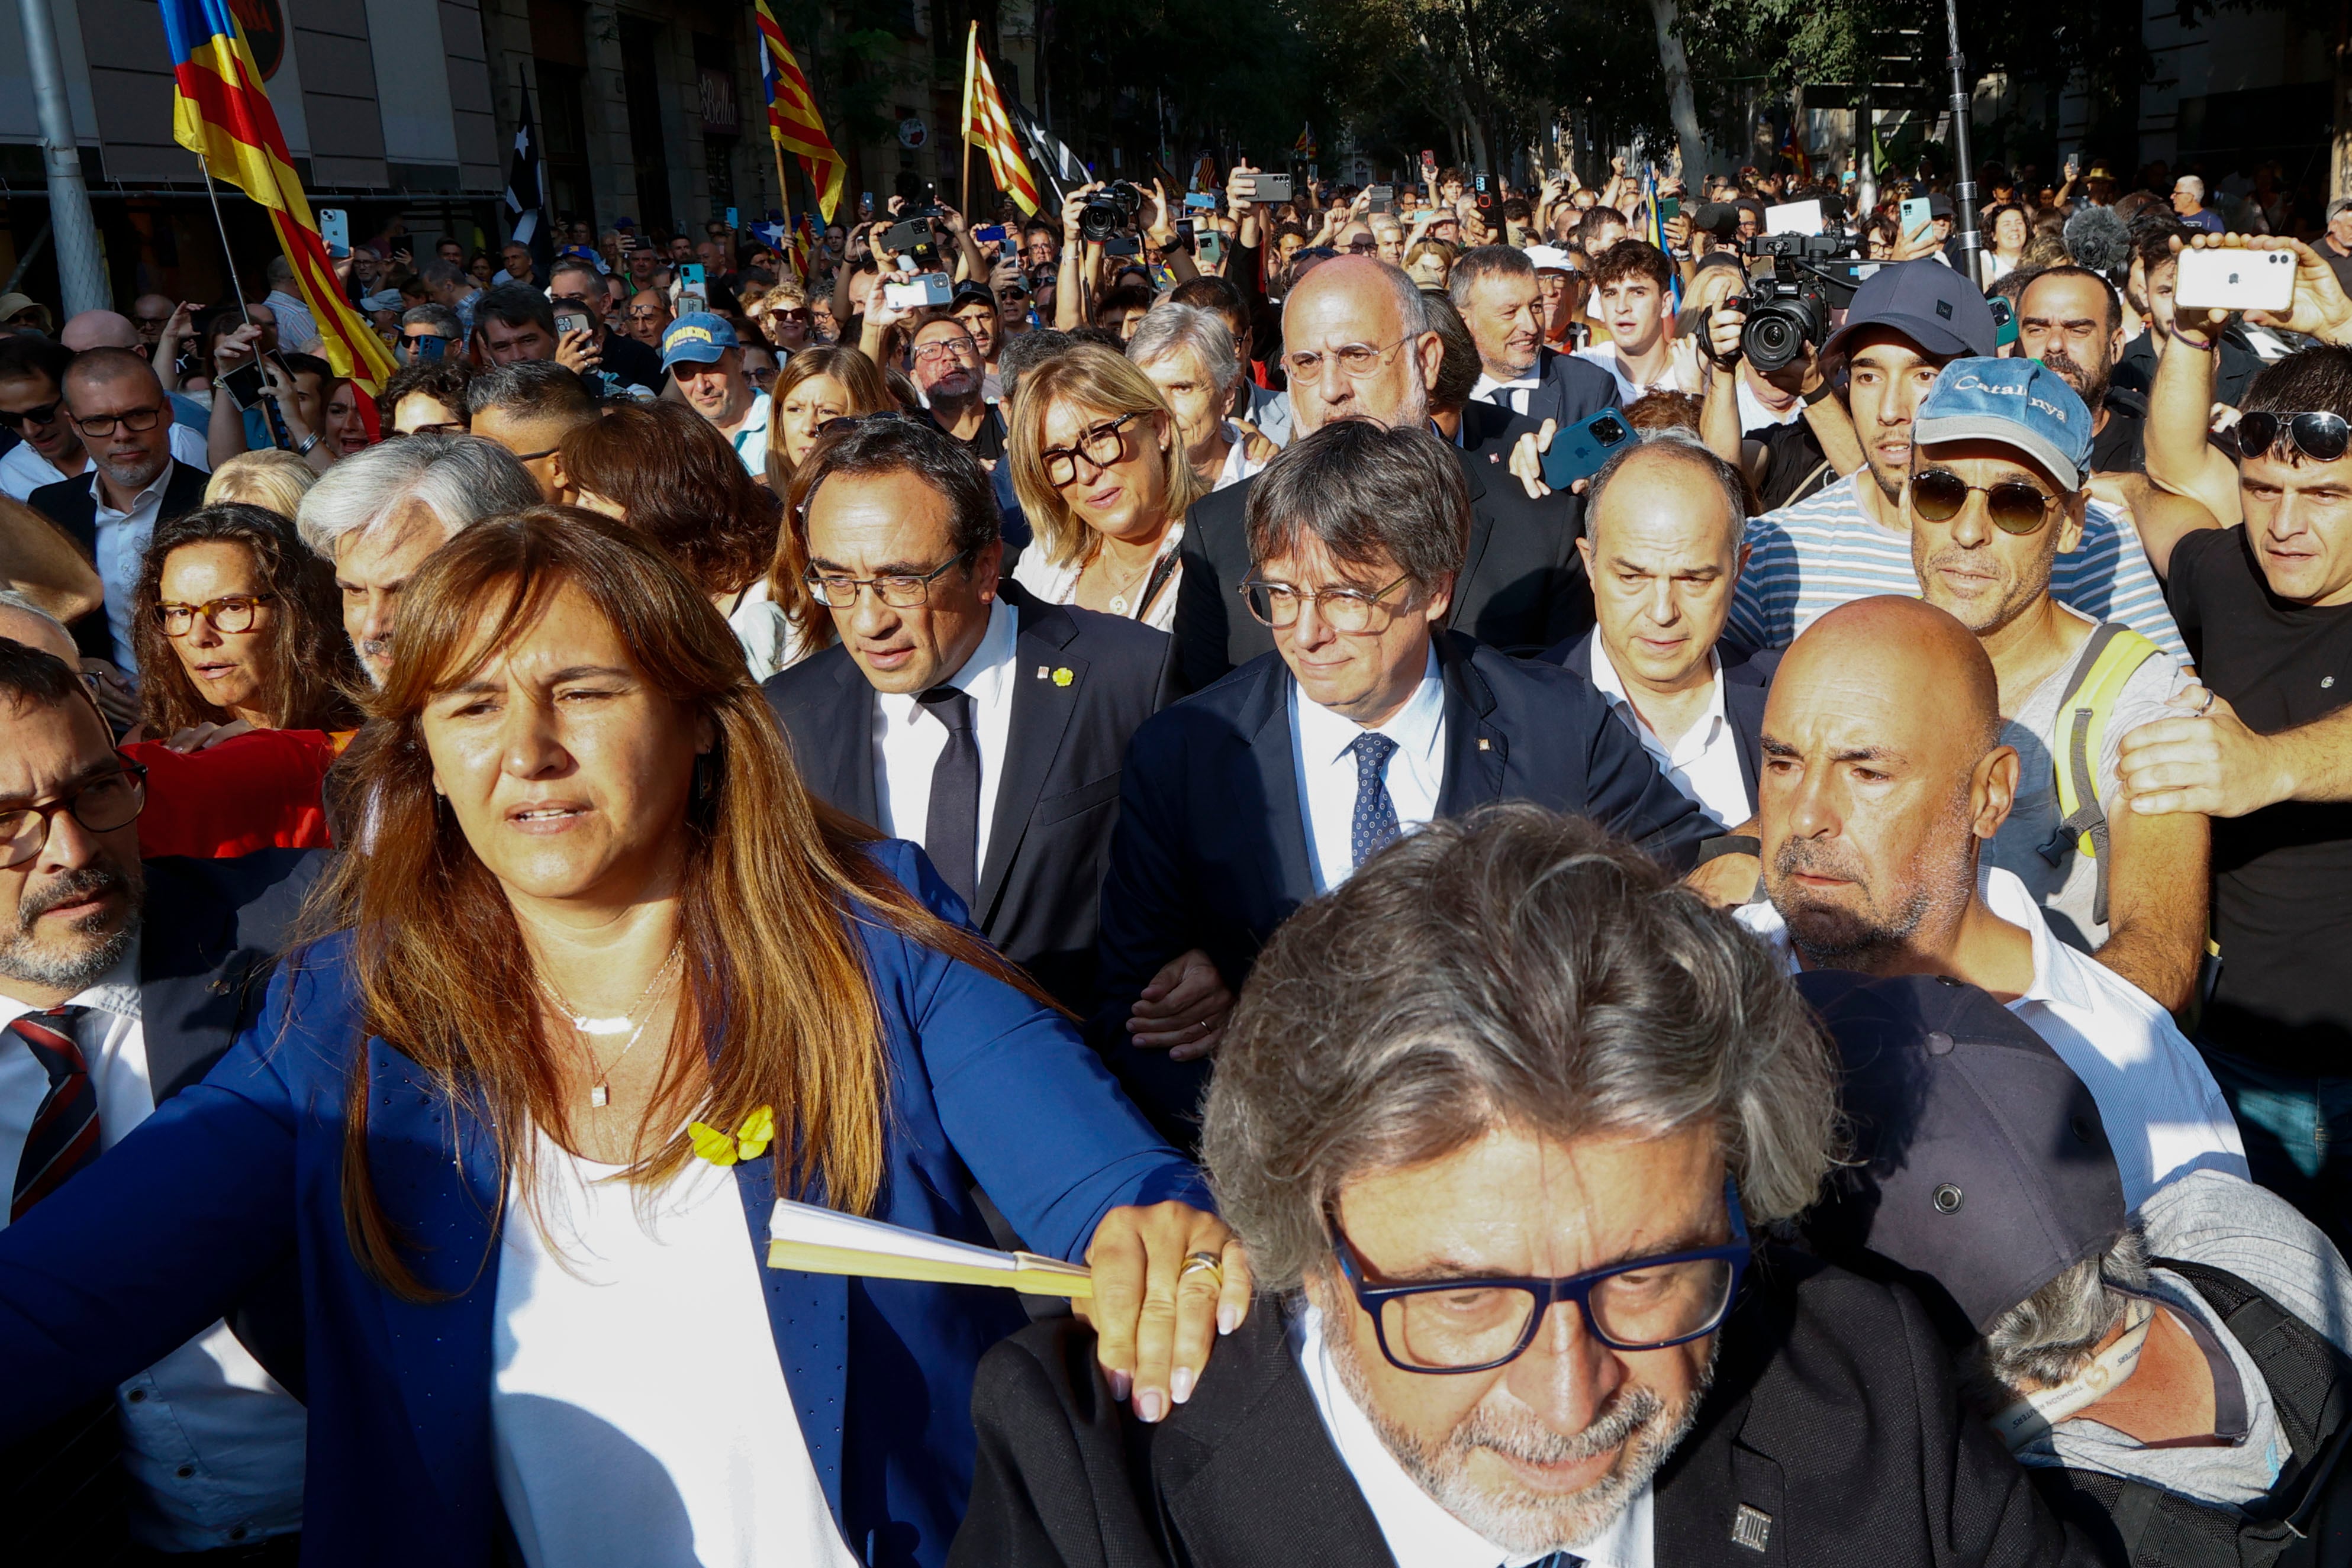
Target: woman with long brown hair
606	985
818	386
233	620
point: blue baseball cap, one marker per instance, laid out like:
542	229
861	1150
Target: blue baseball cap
2022	404
1927	302
698	338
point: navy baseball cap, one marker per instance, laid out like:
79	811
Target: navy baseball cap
1981	1169
698	338
971	291
2022	404
1925	301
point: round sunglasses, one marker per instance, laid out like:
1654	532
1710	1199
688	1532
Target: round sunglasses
2014	506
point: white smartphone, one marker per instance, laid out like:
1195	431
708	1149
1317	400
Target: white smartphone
1916	216
2234	280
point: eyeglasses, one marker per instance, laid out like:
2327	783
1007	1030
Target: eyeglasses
2321	437
654	313
2014	506
232	614
108	802
137	421
1348	610
946	348
43	414
900	591
1101	445
1359	359
1450	1326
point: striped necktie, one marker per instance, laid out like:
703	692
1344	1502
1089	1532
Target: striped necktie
64	1137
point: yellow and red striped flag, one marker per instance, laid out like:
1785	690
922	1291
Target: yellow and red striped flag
985	122
792	119
221	112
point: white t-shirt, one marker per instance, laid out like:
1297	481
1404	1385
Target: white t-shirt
1682	373
638	1411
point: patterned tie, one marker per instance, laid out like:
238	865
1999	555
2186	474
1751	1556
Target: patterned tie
951	830
65	1127
1559	1560
1376	820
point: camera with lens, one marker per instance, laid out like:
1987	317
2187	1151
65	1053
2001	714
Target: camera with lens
1106	211
1788	307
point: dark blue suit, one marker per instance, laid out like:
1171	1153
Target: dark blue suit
245	1170
1569	389
1211	847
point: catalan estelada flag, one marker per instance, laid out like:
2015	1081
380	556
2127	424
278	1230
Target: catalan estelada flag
792	119
986	124
221	112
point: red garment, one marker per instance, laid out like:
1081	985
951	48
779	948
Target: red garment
258	791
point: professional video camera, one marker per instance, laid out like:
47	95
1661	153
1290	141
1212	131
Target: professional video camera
1109	210
1790	307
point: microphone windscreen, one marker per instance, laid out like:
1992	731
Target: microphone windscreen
2098	239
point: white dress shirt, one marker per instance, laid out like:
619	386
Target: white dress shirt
1420	1532
1239	464
1704	761
750	437
2164	1113
24	470
1511	394
1325	770
212	1444
908	739
122	548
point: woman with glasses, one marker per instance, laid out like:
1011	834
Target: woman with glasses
237	622
608	984
1099	465
784	317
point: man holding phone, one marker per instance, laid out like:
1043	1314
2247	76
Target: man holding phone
577	292
430	332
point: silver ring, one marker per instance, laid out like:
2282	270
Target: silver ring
2207	702
1203	1263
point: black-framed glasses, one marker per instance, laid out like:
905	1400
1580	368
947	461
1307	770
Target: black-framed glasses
1341	609
899	590
1359	359
42	414
1451	1326
138	421
1101	444
2014	506
105	803
230	614
2320	436
944	349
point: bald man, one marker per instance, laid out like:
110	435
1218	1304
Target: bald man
1358	344
100	329
1884	777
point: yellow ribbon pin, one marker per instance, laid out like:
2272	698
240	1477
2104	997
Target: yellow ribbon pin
1062	676
749	1141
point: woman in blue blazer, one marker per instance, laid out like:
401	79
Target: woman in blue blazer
594	906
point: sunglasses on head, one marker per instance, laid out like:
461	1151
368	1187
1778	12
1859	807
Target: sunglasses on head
2014	506
2321	437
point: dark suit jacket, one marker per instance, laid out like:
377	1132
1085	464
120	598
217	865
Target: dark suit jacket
1521	587
1211	847
1571	389
1746	682
1059	793
69	505
1831	1414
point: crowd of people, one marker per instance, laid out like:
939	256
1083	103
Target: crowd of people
1625	925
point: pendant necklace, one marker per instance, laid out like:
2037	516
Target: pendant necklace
600	1094
1118	605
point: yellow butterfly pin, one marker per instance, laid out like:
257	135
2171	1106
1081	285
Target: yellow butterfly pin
749	1141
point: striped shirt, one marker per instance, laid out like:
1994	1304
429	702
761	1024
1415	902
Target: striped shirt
1806	560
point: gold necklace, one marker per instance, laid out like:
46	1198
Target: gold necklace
1118	602
600	1093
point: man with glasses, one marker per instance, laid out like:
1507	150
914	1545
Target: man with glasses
645	317
124	420
529	408
1366	720
946	366
578	286
1504	1121
430	333
961	713
121	985
32	406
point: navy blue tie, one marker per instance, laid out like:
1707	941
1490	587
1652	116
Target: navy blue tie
1559	1560
1375	827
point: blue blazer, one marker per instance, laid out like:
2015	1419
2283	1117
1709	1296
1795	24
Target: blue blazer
242	1171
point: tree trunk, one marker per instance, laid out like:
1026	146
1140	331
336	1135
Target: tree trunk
1676	66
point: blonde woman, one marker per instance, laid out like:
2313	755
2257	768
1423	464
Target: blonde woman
1101	470
273	480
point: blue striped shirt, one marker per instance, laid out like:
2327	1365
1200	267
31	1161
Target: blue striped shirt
1806	560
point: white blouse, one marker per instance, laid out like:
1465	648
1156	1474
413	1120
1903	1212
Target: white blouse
1059	584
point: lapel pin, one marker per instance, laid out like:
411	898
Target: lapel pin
1062	677
1041	672
1485	745
1751	1527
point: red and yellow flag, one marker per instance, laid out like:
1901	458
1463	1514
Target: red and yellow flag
792	119
221	112
986	124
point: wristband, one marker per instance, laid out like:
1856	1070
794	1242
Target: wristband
1817	395
2214	346
1723	845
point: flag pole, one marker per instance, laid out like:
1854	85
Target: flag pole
783	194
228	251
963	126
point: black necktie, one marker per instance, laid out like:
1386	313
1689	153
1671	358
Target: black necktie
64	1135
952	832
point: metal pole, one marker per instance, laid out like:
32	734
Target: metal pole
1964	189
81	270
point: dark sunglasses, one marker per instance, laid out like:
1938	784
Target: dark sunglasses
44	414
2014	506
2321	437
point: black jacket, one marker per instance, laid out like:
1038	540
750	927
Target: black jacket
1832	1436
1521	587
1211	847
1571	389
1059	793
1746	682
71	506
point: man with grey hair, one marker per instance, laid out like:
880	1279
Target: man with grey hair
1503	1121
377	513
1495	287
1368	720
435	322
298	329
1356	344
2189	202
1188	352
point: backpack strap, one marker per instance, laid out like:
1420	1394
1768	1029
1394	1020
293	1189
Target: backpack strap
2111	656
2310	1380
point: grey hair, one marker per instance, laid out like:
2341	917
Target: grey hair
2050	1337
439	316
1672	445
1484	261
16	599
1516	968
1025	351
459	479
1173	329
2192	184
1364	491
279	270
